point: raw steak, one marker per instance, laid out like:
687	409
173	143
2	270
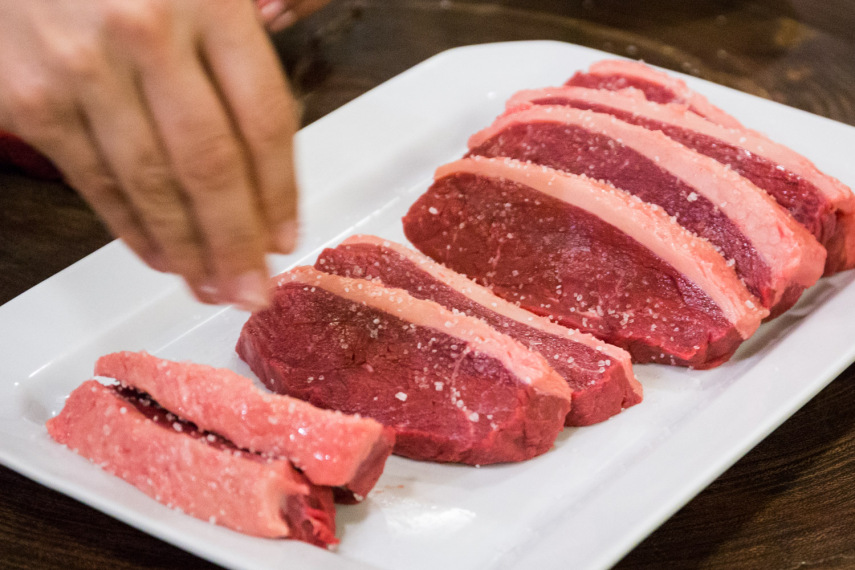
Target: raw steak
588	255
819	202
453	388
599	374
657	86
197	473
330	448
775	256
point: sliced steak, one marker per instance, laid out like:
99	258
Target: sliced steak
200	474
775	256
657	86
599	374
330	448
453	388
821	203
588	255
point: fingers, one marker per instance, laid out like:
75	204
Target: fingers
130	147
69	143
208	159
250	80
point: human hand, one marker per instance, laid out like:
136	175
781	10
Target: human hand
279	14
172	118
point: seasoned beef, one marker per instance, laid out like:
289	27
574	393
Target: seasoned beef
588	255
330	448
657	86
599	374
453	388
201	474
775	256
819	202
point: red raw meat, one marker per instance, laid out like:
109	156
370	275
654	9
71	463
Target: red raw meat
821	203
588	255
453	388
330	448
657	86
775	256
197	473
599	374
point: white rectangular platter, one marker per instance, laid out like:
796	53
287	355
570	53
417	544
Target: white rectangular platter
584	504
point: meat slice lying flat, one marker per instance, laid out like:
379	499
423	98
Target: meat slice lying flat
453	388
200	474
657	86
590	256
330	448
822	204
775	256
599	374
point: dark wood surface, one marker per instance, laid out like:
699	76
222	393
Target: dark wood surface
789	503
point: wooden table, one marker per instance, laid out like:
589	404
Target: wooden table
789	503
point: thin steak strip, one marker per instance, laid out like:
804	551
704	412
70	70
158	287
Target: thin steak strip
200	474
330	448
775	256
657	86
588	255
454	389
599	374
821	203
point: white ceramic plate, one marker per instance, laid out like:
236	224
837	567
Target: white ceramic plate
582	505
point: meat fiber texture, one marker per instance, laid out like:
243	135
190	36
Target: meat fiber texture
453	388
775	256
194	472
589	256
821	203
657	86
330	448
599	374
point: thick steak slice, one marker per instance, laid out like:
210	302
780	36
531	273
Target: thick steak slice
599	374
330	448
775	256
821	203
201	474
657	86
453	388
588	255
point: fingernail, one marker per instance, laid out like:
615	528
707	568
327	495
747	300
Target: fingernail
270	9
283	21
286	236
250	291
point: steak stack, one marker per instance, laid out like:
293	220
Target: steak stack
453	388
771	252
588	255
599	374
756	223
822	204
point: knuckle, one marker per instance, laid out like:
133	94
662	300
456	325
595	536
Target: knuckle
82	59
212	164
143	23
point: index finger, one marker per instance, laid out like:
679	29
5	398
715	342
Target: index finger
253	86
